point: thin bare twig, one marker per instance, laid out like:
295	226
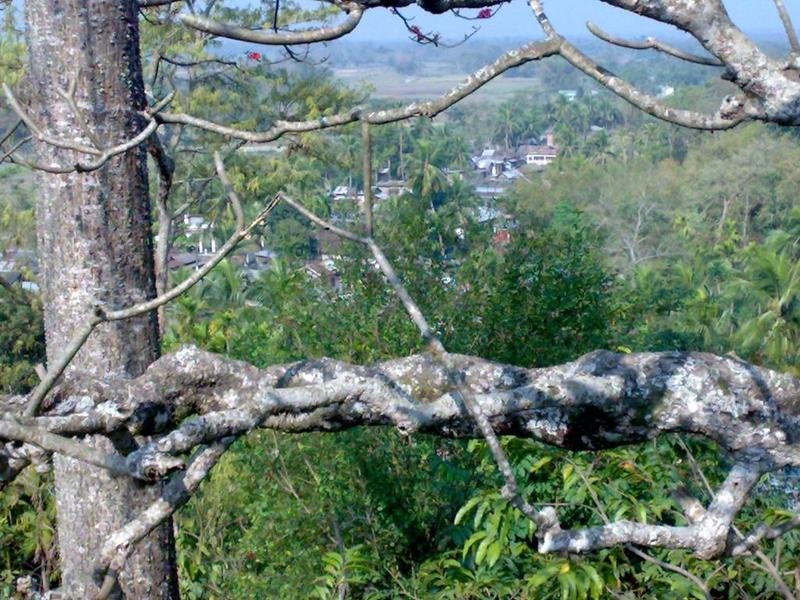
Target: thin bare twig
788	26
14	148
366	143
653	43
10	132
101	315
672	567
434	38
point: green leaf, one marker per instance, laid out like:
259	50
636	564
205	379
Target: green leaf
466	508
493	553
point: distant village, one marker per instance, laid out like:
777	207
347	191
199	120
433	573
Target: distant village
490	174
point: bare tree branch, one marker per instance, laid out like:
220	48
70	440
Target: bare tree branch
152	3
195	63
641	554
175	494
707	538
366	143
733	111
353	10
765	563
788	26
653	43
524	54
765	532
166	172
770	91
10	153
12	430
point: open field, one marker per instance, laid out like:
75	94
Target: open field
390	84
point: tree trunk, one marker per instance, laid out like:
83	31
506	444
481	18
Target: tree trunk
94	244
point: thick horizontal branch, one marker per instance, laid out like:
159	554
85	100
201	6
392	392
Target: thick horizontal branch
601	400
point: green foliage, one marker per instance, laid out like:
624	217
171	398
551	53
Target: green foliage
12	47
344	573
21	339
369	489
546	298
27	531
640	237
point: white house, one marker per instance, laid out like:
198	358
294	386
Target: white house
542	155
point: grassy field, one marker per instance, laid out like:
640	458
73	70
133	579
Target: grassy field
389	84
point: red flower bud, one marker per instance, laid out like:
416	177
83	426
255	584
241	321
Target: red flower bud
485	13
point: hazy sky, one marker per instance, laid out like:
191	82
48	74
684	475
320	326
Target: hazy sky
515	20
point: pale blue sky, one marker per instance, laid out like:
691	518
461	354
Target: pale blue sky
757	17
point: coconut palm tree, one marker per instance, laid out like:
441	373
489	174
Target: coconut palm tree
768	289
425	173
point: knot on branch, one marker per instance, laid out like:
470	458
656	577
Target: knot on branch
148	464
547	526
731	107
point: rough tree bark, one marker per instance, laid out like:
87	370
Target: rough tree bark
95	246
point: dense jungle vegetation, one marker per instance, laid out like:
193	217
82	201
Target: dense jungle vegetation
640	236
